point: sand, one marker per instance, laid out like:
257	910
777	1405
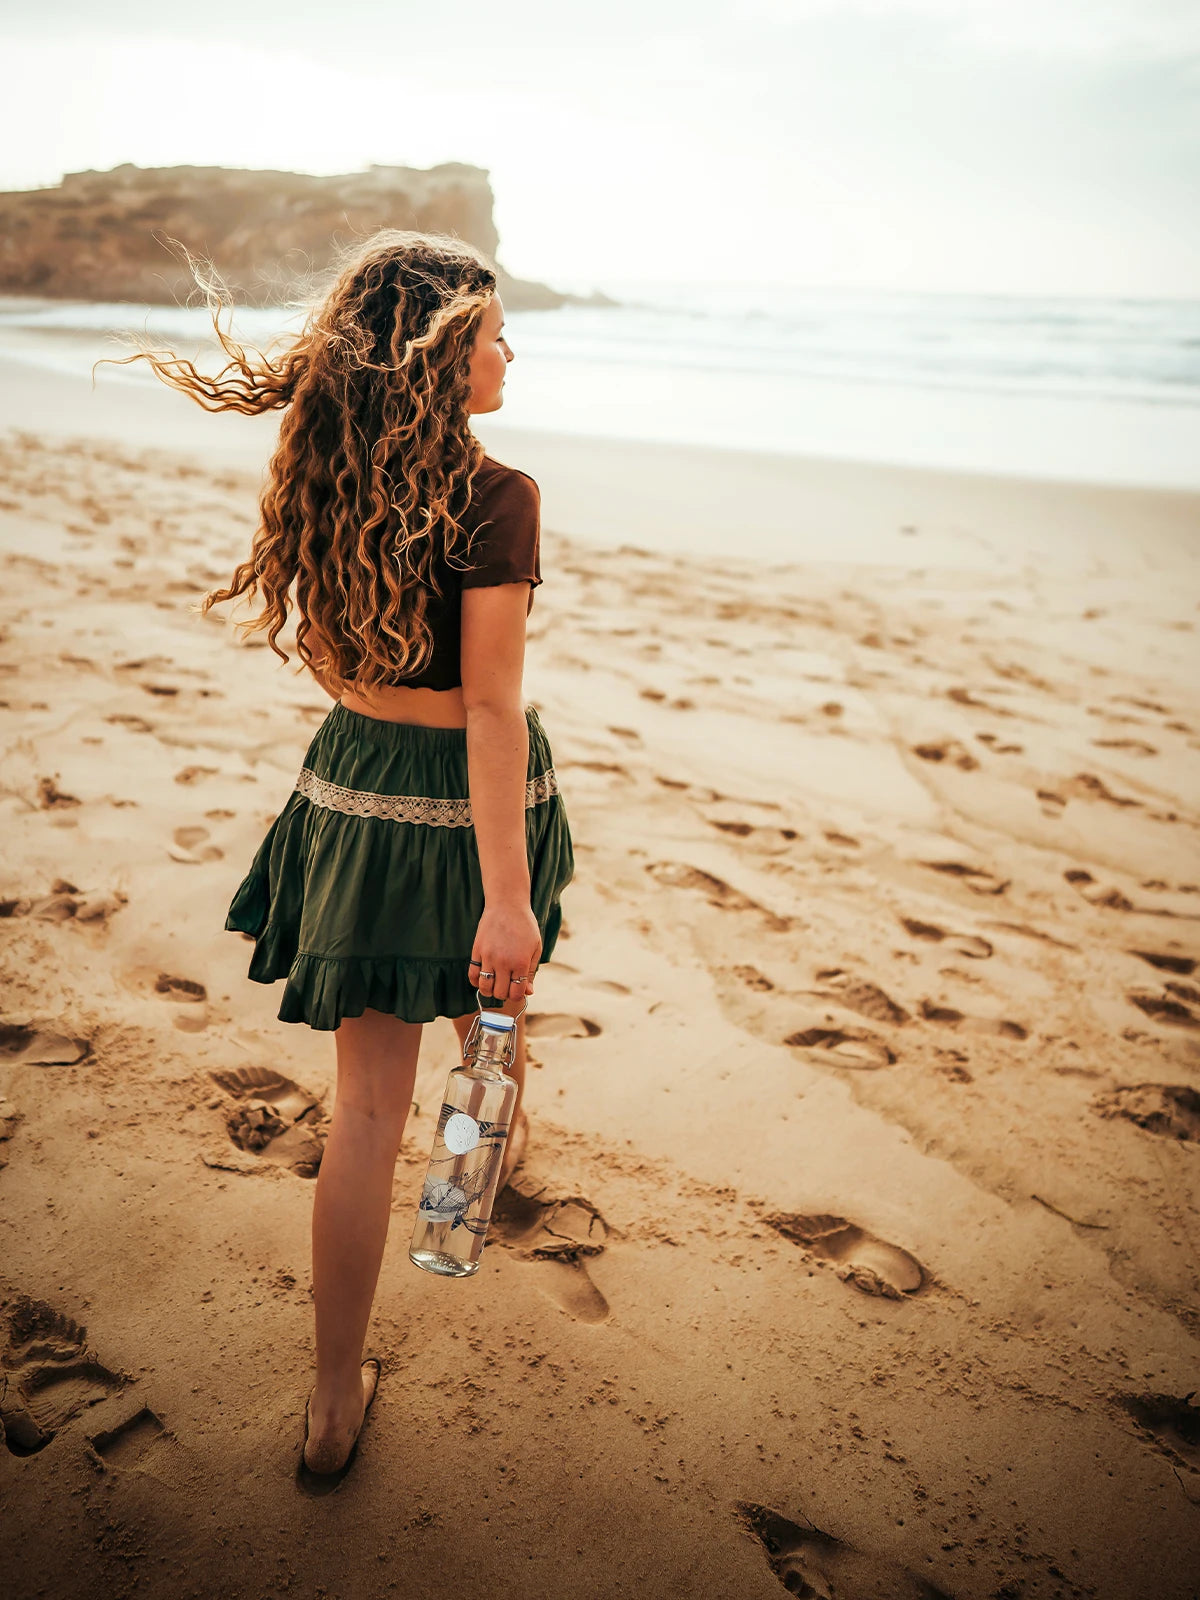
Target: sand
855	1248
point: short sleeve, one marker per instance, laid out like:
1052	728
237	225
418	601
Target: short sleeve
507	543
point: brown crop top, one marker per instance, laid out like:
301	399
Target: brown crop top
505	508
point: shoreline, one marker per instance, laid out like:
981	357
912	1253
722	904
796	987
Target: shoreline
1094	407
686	499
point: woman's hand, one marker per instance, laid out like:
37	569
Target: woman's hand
508	941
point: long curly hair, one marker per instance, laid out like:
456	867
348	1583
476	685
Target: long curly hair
372	472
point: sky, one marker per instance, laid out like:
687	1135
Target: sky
994	146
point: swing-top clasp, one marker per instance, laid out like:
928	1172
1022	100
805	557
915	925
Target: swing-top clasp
510	1044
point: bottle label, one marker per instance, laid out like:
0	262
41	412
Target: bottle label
461	1133
455	1193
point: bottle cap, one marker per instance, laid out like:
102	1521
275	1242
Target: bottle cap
500	1020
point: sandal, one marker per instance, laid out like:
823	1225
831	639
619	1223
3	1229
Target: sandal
318	1483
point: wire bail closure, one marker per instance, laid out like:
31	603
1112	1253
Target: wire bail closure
509	1046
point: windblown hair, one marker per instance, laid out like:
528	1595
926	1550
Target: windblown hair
374	463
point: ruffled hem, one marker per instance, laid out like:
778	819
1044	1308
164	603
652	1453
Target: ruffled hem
322	990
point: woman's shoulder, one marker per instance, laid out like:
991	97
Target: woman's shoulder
506	525
497	478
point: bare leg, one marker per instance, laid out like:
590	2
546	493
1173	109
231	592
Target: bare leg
377	1068
514	1145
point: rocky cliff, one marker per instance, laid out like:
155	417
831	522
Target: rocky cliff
99	235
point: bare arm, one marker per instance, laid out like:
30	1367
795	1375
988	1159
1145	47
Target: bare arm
492	666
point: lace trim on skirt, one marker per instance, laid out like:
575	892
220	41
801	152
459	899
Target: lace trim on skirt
449	813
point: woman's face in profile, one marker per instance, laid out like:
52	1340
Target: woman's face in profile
490	356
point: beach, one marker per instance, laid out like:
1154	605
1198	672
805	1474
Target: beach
855	1249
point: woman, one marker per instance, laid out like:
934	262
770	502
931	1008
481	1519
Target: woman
419	862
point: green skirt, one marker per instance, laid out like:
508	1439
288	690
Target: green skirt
366	892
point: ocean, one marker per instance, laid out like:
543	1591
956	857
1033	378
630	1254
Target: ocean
1094	390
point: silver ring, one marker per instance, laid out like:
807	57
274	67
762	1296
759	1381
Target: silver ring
487	974
515	979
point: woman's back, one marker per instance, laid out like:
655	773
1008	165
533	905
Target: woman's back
504	521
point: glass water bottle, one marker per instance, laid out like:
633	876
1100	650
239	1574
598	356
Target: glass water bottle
468	1149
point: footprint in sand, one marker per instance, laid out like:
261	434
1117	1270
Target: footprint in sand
817	1566
39	1047
681	875
184	990
1170	1422
189	997
769	840
967	944
1087	786
65	901
931	1011
978	879
558	1025
857	994
998	746
1171	1110
860	1258
752	977
1176	903
844	841
965	697
1167	961
952	1064
1172	1009
273	1118
49	1376
1136	747
52	798
1097	894
134	724
1142	704
130	1441
190	775
948	750
843	1047
561	1234
190	846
